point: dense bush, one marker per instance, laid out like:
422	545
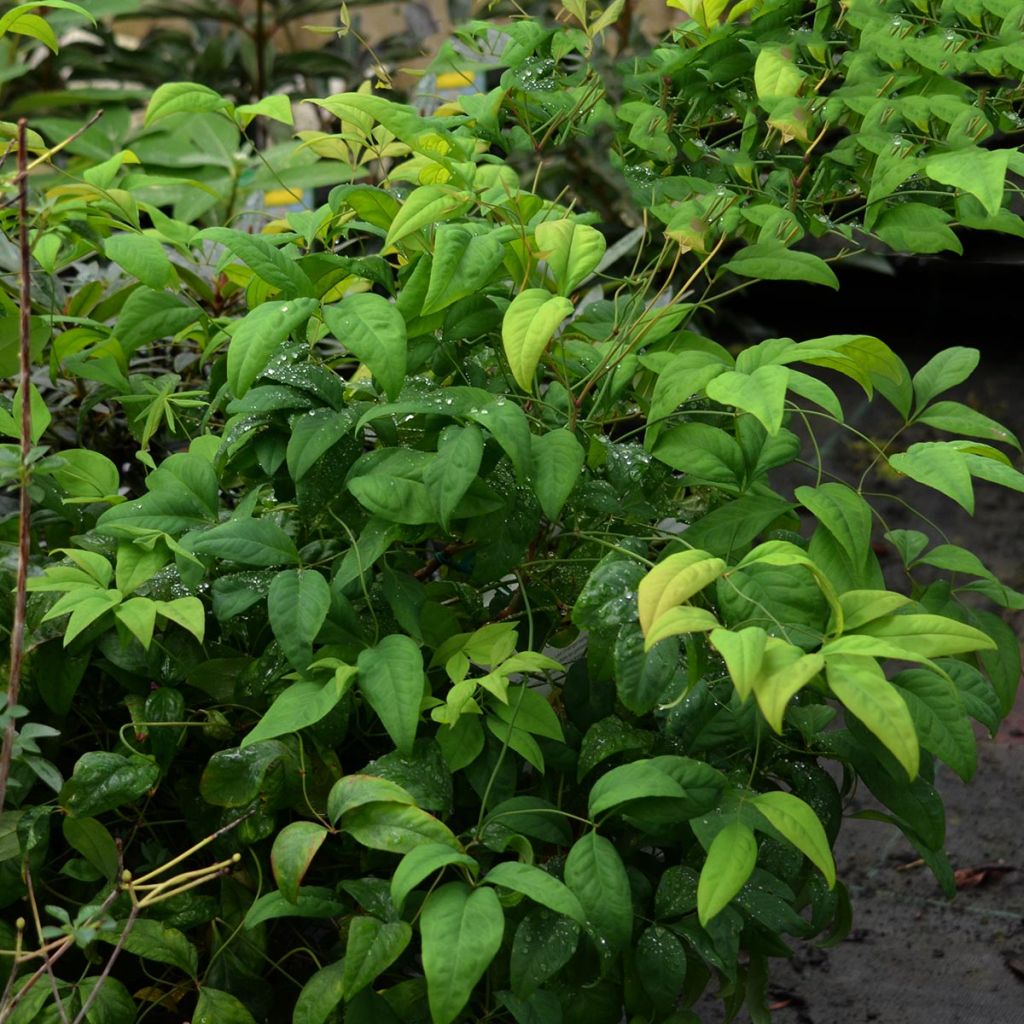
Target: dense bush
418	627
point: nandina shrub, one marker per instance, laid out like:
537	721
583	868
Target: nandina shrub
471	613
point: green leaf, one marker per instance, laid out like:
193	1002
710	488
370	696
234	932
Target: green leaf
137	564
421	862
153	940
917	228
373	946
313	434
235	777
772	261
462	931
395	828
259	334
321	994
539	886
463	264
736	523
705	454
187	612
313	901
660	961
789	815
460	451
182	98
674	580
352	791
940	718
844	513
981	172
761	393
526	709
557	464
957	418
264	259
149	315
730	862
940	466
217	1007
595	873
103	781
528	326
298	602
294	848
277	108
509	426
638	780
142	257
395	499
860	684
94	842
256	542
943	371
86	474
573	252
424	206
544	943
391	679
300	705
374	331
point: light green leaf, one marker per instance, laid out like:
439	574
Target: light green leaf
183	97
256	542
277	108
772	261
674	580
373	946
258	335
730	862
421	862
528	326
391	679
940	466
557	464
930	635
137	564
298	602
982	172
373	330
425	206
844	513
801	826
863	606
860	684
743	651
142	257
539	886
187	612
573	251
776	75
595	873
943	371
676	621
300	705
138	616
33	26
462	931
85	608
761	393
86	474
155	941
294	848
784	671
